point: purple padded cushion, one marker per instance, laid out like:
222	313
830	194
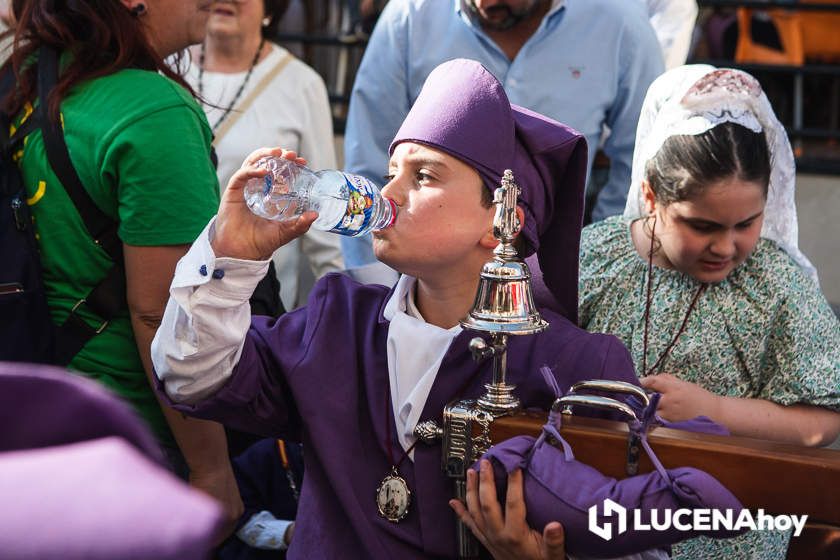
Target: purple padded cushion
559	488
100	500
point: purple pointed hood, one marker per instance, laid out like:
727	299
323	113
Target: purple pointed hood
464	111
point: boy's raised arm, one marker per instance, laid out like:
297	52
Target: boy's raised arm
206	321
205	326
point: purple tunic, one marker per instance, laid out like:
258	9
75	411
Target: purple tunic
320	374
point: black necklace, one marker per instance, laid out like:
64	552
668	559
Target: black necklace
648	299
241	87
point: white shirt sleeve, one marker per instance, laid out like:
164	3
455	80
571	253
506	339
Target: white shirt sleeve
206	321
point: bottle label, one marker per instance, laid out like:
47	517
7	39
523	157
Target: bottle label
360	205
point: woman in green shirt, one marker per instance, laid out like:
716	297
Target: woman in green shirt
141	147
702	278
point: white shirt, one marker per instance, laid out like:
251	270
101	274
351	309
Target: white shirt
415	352
673	21
293	112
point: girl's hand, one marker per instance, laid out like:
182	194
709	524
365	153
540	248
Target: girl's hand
681	400
241	234
506	536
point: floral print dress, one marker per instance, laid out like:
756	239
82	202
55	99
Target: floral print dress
765	332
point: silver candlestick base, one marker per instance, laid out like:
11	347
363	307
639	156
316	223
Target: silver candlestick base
499	399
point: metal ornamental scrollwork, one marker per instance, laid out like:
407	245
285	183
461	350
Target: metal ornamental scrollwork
482	442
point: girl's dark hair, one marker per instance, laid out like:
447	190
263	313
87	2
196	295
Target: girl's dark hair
686	164
101	36
274	10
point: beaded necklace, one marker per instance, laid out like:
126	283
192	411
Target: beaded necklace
241	87
648	300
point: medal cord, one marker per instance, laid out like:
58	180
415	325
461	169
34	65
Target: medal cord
284	460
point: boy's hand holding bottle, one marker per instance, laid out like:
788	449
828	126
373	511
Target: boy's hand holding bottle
346	204
241	234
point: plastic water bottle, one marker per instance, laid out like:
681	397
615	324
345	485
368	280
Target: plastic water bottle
346	204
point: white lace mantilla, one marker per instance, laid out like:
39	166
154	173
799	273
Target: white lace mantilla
692	99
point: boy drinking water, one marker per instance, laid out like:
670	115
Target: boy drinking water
353	372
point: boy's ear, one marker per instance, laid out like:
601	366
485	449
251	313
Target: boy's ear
648	196
489	241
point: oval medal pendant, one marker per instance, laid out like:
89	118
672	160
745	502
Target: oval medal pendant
393	497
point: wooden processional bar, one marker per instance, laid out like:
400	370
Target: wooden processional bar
780	478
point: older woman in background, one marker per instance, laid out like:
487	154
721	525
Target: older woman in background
258	94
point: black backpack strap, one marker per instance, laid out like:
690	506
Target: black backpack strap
107	299
7	78
7	82
23	130
214	157
11	141
102	228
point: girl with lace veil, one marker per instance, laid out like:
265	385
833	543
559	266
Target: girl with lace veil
703	280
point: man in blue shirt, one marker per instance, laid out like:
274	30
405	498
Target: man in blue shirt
586	63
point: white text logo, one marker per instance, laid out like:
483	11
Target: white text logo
689	520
